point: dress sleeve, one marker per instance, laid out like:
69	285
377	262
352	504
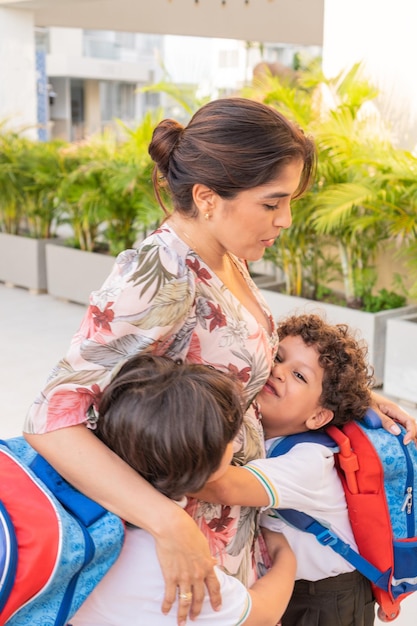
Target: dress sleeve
145	305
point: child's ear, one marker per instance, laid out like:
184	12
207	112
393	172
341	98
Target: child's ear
320	418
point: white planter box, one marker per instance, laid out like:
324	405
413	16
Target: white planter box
22	262
371	326
400	376
73	274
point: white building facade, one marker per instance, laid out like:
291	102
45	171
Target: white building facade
379	33
94	77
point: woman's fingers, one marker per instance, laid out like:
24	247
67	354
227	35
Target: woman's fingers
188	570
389	411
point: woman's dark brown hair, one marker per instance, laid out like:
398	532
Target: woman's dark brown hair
347	376
229	145
170	421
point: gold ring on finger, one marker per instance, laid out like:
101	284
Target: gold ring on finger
185	596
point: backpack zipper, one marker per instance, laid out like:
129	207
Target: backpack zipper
89	551
408	502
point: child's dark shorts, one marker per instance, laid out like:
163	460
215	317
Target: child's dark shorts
344	600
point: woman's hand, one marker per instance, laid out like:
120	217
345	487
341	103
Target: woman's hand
389	411
187	567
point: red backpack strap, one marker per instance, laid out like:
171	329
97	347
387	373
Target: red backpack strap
348	459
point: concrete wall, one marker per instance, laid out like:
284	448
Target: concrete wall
18	70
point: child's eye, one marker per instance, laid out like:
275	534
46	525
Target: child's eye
271	207
278	359
300	377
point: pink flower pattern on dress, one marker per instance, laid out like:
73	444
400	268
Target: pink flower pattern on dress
217	317
201	272
103	319
63	402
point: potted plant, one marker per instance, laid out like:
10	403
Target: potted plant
340	226
400	373
107	202
29	175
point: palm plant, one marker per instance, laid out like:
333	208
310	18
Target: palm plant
398	207
183	95
132	206
30	174
12	182
348	186
307	260
84	205
107	191
43	165
354	181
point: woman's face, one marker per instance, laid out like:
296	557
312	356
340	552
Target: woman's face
252	221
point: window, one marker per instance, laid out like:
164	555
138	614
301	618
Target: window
117	100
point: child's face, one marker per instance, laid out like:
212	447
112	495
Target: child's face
290	398
224	464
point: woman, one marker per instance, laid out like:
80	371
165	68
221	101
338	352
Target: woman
185	293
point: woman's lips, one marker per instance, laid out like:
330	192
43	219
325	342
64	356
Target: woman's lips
267	243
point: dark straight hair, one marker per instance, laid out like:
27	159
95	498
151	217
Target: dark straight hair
229	145
170	421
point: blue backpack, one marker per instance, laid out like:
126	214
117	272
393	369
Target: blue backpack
379	477
55	543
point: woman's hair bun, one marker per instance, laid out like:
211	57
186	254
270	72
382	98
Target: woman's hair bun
164	140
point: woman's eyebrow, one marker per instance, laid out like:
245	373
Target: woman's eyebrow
276	194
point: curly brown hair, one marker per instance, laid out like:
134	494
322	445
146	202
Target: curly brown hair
347	376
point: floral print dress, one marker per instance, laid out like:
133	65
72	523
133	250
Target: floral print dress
163	299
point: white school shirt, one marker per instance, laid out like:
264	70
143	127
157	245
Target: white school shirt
305	479
132	591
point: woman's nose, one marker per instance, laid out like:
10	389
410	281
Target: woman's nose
283	217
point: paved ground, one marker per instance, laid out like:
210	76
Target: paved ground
34	333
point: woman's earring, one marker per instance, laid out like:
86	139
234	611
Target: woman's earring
207	216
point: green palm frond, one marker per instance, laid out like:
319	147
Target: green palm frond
335	205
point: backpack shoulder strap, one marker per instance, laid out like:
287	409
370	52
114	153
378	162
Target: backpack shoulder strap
285	444
87	511
327	537
335	439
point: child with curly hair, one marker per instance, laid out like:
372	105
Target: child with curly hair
320	375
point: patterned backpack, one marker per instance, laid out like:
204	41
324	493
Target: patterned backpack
379	477
55	543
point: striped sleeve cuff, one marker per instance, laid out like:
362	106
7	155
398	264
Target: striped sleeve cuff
266	483
246	611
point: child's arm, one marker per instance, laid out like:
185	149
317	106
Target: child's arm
271	593
238	486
